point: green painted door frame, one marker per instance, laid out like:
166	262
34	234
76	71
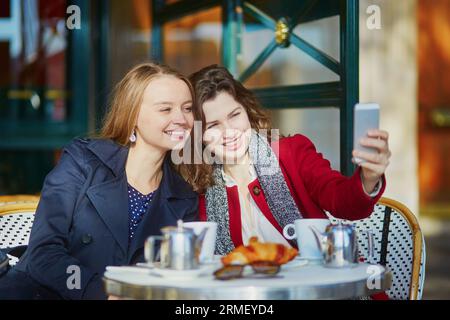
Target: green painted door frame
342	94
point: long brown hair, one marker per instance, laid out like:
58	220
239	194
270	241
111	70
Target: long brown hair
208	82
123	112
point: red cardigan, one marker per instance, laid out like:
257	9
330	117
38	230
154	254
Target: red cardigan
313	185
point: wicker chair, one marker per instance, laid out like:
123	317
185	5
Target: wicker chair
18	199
16	220
398	244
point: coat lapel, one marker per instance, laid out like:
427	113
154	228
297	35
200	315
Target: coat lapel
110	199
234	215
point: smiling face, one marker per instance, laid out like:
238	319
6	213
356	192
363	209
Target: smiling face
165	117
227	128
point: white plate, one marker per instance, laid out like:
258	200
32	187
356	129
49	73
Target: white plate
127	269
147	265
203	270
296	263
310	260
215	260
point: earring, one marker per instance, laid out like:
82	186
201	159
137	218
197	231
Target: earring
133	137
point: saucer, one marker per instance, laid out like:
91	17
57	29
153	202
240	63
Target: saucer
132	269
147	265
296	263
313	260
215	260
202	270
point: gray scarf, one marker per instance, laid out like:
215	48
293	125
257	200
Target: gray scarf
275	189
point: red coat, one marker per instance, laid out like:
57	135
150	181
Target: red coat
314	187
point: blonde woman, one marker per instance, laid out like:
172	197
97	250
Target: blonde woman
107	195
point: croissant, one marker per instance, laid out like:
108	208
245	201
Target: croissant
259	251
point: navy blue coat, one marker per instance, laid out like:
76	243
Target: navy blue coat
82	218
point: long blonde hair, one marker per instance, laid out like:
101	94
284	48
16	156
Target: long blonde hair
121	118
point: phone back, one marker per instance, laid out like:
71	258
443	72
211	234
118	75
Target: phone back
366	117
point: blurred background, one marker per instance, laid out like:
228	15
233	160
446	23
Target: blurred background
309	62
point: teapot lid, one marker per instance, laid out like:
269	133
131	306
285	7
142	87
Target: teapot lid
178	229
339	226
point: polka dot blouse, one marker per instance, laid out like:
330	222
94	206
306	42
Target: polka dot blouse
137	207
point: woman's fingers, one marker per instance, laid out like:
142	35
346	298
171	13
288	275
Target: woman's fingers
379	144
378	158
374	164
375	133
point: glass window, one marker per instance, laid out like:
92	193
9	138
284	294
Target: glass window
320	125
290	66
129	36
194	41
33	45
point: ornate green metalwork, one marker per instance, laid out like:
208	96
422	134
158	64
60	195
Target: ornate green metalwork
259	61
342	94
284	36
316	54
259	15
301	96
282	33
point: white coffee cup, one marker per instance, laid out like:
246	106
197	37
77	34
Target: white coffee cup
209	243
307	244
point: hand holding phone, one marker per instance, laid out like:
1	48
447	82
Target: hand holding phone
371	145
366	117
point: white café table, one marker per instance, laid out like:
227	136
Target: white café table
310	281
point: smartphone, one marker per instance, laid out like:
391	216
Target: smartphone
366	116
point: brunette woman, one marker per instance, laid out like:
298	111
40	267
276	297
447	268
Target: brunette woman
256	188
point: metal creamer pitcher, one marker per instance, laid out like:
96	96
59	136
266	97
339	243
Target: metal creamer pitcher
339	245
180	247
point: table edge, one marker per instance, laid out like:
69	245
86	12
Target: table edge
347	290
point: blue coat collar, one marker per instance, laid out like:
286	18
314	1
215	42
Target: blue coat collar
114	156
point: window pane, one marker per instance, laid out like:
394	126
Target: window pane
130	35
33	47
194	41
290	66
319	125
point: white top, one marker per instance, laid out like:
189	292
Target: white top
254	222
